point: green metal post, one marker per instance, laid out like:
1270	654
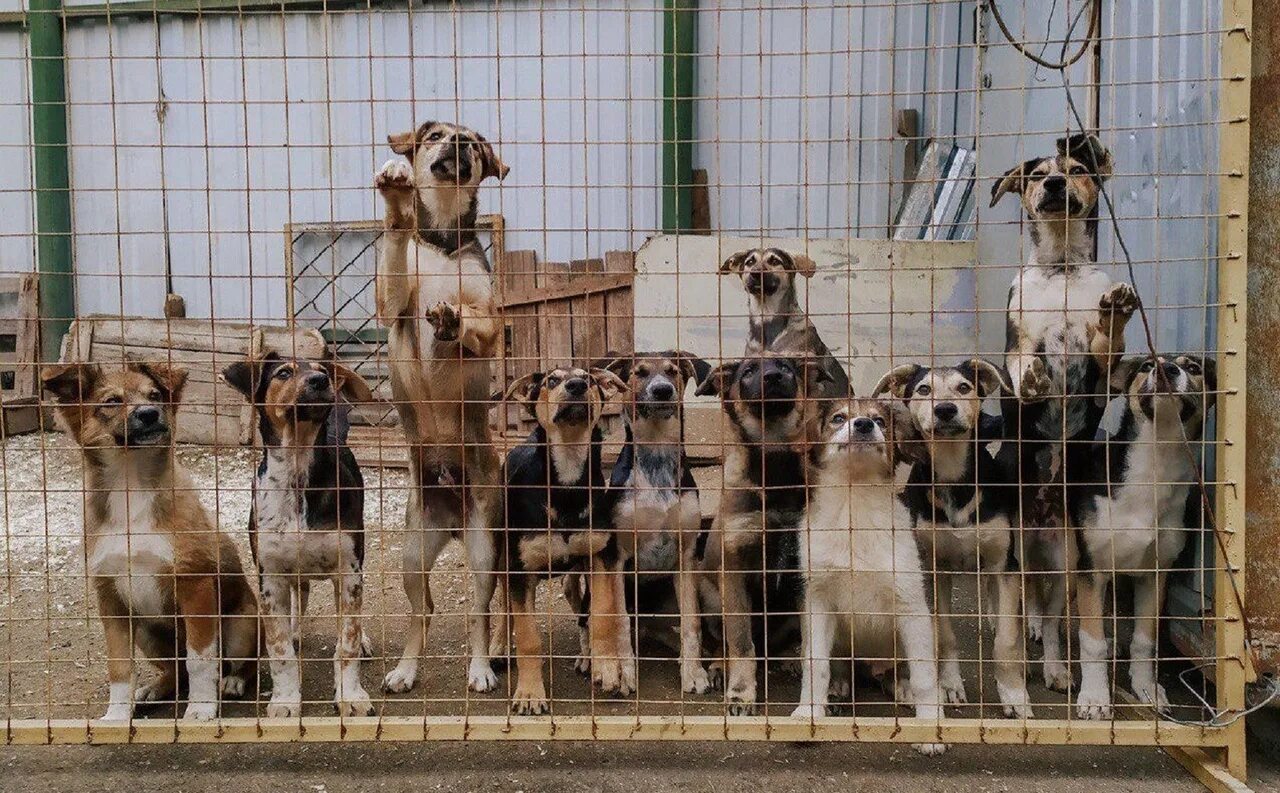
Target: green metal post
679	60
52	174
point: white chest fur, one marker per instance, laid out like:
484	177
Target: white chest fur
286	544
129	548
1053	306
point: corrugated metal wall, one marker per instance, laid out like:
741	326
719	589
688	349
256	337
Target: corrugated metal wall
17	213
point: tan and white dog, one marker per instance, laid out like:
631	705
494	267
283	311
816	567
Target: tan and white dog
167	581
435	295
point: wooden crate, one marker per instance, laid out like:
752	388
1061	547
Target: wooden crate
19	336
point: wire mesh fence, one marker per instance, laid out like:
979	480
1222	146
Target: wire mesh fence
851	371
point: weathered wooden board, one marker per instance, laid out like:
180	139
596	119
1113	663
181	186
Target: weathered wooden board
19	336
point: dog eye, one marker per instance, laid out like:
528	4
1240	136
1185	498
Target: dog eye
879	420
1147	366
838	419
283	374
924	390
964	388
642	371
112	400
1079	170
154	396
1191	367
437	135
552	382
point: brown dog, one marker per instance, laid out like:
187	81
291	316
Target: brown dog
435	295
165	577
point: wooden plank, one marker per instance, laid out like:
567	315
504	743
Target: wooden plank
520	274
588	313
566	287
555	335
620	304
20	329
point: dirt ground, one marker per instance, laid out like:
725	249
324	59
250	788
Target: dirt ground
51	652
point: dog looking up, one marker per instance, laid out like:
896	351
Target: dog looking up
435	295
778	324
1138	516
167	581
559	520
307	517
863	583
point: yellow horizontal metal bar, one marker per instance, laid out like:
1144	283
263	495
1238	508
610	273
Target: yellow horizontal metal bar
613	728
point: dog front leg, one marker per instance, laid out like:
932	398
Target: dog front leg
1106	334
394	284
120	677
1148	596
740	672
603	626
531	695
1010	652
693	677
198	604
950	679
915	626
818	634
421	548
1094	699
481	558
286	677
474	326
349	695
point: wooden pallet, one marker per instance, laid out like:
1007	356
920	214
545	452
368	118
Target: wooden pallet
19	336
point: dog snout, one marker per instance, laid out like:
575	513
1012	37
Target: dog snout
945	411
575	386
1055	184
863	425
317	381
1171	371
146	415
662	392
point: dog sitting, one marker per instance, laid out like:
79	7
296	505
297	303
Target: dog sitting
778	324
559	519
307	518
964	505
863	580
1065	329
765	401
167	581
435	295
1137	518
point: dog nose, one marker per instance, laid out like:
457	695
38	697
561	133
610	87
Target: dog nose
863	425
945	410
147	415
662	391
1171	370
1055	184
576	386
317	379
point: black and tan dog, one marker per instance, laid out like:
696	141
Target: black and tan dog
1137	517
964	508
753	547
435	295
559	519
1066	319
307	518
778	324
167	581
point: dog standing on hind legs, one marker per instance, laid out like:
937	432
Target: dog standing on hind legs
435	295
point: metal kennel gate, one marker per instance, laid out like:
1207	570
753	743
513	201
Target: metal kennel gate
211	156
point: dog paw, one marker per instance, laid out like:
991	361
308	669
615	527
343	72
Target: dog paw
201	711
445	319
841	688
366	645
1120	300
715	675
694	679
930	749
118	711
480	676
233	686
582	665
809	712
741	707
1057	676
357	704
530	701
791	667
160	690
1035	629
1093	703
394	177
1036	383
611	677
1152	694
401	679
952	686
284	707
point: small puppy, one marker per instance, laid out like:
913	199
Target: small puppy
863	581
964	506
307	518
657	517
435	296
166	579
1136	520
559	520
766	405
778	324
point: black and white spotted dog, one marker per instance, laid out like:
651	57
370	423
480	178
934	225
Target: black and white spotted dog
307	517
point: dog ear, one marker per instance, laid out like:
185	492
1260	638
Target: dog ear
348	383
907	441
717	381
1210	368
1122	373
734	263
1085	147
492	165
608	382
896	379
804	265
1013	181
524	389
617	362
403	143
243	377
171	379
989	378
695	369
70	382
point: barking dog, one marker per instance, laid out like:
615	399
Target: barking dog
963	506
1136	520
657	517
1065	329
435	295
559	520
765	402
307	518
863	581
778	324
165	578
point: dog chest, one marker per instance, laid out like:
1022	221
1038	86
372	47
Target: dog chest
131	550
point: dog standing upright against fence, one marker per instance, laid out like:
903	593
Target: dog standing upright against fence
435	295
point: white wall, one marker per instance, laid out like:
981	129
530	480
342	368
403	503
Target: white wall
17	205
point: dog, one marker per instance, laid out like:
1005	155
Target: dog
1137	518
766	405
863	579
167	581
964	507
777	323
559	520
307	517
435	296
1065	330
657	517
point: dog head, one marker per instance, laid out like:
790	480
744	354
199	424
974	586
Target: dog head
766	396
1181	385
294	398
448	155
1062	186
656	380
944	402
857	439
133	407
566	399
766	272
